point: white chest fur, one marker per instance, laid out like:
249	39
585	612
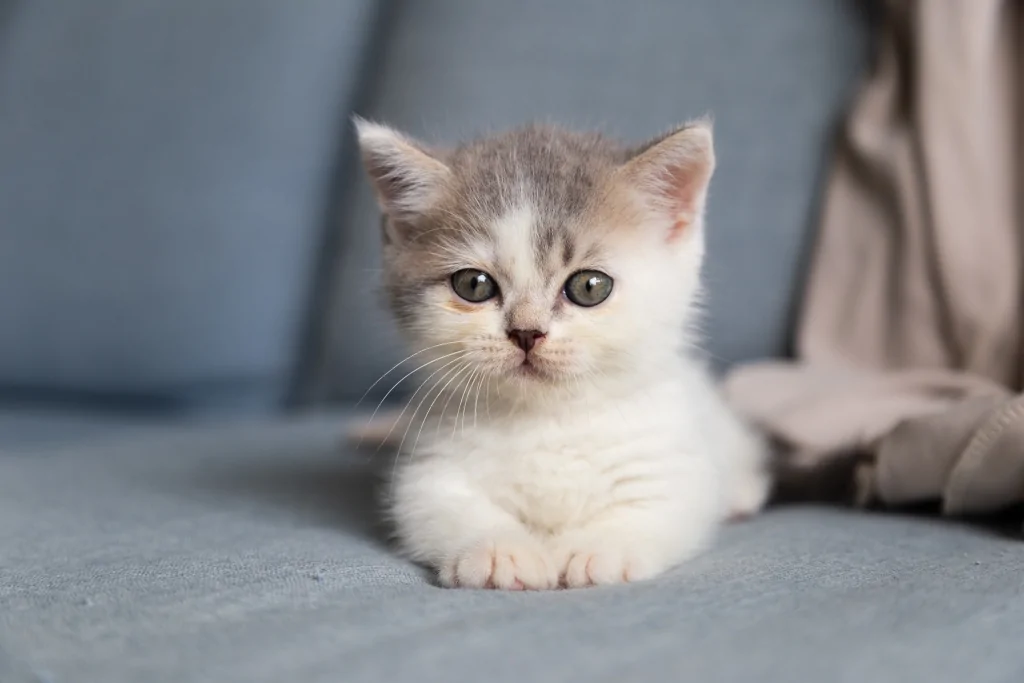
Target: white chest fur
648	468
564	470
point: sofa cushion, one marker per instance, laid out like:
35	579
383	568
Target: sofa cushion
251	552
30	428
166	172
775	76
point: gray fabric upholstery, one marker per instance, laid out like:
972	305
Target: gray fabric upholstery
30	428
249	553
775	76
165	177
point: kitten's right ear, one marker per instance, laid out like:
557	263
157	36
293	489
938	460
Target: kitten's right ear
406	178
673	171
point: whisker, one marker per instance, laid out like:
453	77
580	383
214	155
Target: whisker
426	395
480	380
459	370
375	410
444	409
476	402
365	393
487	396
414	394
465	392
412	419
465	398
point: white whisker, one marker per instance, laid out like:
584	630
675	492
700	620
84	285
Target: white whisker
414	394
487	396
465	392
476	402
375	410
412	419
476	393
426	395
459	370
410	356
444	409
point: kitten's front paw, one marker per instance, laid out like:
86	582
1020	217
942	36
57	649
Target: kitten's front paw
748	495
518	563
601	566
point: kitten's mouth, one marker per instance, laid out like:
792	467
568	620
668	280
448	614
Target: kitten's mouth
529	369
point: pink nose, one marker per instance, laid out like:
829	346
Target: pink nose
525	339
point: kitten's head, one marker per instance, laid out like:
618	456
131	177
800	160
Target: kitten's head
541	258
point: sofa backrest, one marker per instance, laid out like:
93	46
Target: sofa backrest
775	75
183	223
166	178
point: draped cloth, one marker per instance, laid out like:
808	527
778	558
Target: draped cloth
909	358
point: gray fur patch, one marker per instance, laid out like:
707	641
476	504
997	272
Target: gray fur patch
556	172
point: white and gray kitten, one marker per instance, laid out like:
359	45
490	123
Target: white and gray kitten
562	434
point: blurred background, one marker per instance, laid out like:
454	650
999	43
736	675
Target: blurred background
185	230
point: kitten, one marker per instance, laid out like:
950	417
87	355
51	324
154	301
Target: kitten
562	434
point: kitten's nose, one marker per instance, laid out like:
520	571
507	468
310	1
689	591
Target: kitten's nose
525	339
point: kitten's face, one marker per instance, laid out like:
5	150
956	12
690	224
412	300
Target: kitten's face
541	259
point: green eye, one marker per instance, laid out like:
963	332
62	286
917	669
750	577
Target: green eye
588	288
474	285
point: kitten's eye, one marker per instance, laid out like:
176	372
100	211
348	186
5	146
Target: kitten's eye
474	285
588	287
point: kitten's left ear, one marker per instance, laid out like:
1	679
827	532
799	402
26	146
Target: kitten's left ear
407	178
673	173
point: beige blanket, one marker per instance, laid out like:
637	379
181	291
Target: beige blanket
909	346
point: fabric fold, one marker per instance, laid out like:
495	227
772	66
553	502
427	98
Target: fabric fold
909	345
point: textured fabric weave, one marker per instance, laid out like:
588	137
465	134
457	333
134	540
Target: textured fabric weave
251	554
166	172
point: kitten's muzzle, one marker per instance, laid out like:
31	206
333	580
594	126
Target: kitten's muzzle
525	339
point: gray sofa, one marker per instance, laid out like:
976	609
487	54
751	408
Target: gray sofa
187	318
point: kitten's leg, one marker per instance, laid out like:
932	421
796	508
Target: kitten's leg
741	451
748	490
638	538
746	467
444	520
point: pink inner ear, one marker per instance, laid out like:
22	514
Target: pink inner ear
674	173
677	230
682	190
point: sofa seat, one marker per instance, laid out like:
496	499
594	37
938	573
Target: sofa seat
245	552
